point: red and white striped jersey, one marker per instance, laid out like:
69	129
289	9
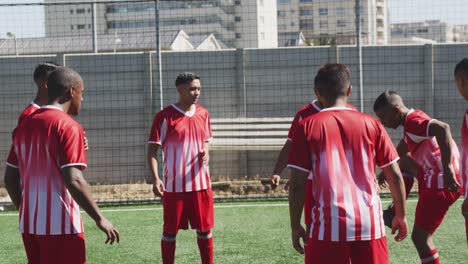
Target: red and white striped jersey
425	150
340	148
464	154
182	136
31	108
43	144
306	111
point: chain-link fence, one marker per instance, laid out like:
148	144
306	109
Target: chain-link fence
256	58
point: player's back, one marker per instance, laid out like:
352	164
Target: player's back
45	142
344	147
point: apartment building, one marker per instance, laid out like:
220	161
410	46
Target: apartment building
335	19
234	23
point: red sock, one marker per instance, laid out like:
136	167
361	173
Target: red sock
168	246
431	257
205	244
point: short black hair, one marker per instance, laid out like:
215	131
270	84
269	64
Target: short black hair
383	100
186	77
42	70
61	81
461	69
332	80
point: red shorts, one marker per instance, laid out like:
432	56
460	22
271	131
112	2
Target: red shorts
432	207
55	248
182	208
362	252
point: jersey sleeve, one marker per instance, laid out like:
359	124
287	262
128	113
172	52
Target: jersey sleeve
294	125
158	129
386	152
299	155
12	159
418	124
208	132
71	147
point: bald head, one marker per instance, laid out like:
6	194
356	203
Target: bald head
60	81
387	99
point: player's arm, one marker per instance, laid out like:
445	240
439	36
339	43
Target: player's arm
79	190
297	183
441	131
280	164
158	185
397	188
403	152
13	185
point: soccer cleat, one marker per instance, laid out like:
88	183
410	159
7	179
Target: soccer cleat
388	216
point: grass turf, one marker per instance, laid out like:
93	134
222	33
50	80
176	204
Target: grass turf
245	233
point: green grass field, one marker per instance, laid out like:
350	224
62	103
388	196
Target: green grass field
248	232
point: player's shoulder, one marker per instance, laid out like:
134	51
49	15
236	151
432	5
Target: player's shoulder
200	108
308	109
417	113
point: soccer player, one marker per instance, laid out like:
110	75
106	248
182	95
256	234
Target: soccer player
340	146
47	159
461	78
429	142
183	131
41	72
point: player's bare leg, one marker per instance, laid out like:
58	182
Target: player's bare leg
425	246
205	245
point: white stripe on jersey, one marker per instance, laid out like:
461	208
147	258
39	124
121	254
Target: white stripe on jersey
350	217
337	171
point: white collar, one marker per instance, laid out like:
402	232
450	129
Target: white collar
52	107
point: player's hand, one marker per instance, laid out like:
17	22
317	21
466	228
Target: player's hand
274	181
382	181
205	157
110	231
400	224
158	188
297	234
465	208
450	182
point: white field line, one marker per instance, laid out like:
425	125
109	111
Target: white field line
216	206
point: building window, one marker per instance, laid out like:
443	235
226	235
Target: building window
323	11
305	12
80	11
237	19
323	24
341	23
260	2
340	11
284	2
81	26
282	13
71	27
71	11
89	10
262	36
89	26
422	30
238	35
237	2
306	24
305	1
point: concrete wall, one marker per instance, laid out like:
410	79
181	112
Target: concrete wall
122	95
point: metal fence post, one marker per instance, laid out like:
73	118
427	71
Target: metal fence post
429	94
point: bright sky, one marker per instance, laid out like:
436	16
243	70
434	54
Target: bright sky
28	21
